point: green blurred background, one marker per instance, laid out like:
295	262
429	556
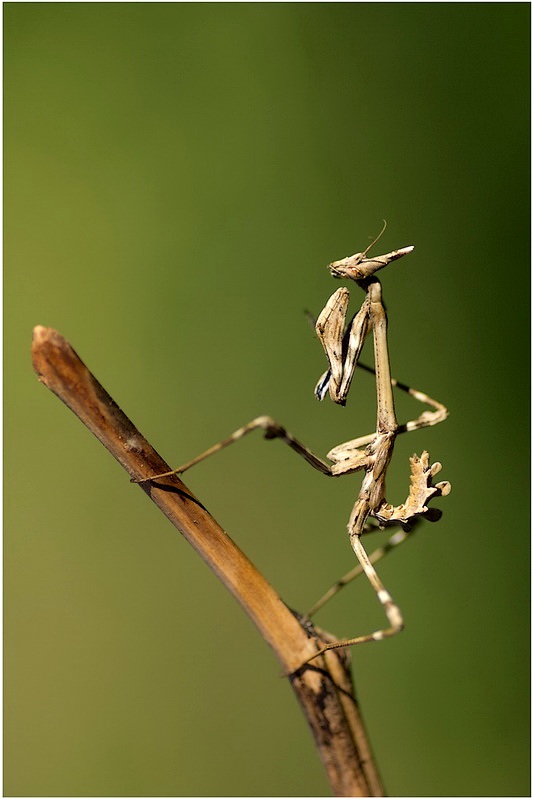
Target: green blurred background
177	176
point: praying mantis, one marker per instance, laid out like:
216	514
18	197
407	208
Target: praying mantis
370	454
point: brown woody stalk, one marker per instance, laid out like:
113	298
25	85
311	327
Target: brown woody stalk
324	688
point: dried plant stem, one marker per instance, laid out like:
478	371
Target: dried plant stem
324	689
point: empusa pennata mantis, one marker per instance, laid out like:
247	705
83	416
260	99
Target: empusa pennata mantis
371	453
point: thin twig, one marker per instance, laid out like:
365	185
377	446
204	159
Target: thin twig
324	689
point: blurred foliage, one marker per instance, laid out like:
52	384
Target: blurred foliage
177	176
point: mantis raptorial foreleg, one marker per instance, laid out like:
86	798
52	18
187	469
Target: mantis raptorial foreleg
370	453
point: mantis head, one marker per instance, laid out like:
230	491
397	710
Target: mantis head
357	267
